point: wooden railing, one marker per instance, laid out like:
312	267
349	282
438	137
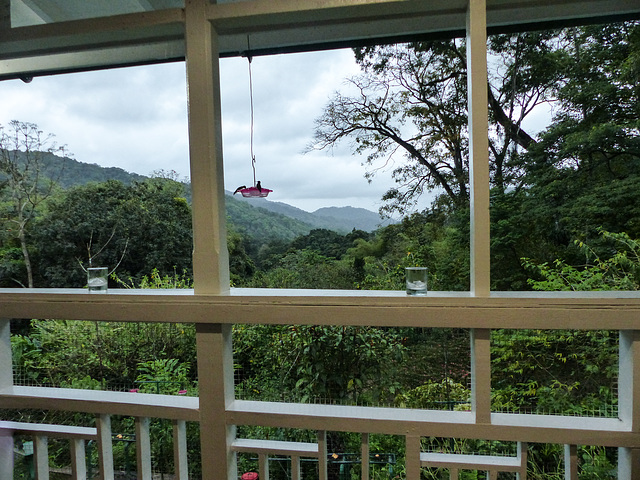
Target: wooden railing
218	410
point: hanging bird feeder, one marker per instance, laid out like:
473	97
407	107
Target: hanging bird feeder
257	190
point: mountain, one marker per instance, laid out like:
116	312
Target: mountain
78	173
339	219
260	218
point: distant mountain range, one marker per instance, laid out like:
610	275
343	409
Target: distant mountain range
339	219
258	217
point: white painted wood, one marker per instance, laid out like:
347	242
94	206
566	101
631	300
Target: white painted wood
295	467
481	374
210	255
6	367
628	463
322	455
570	462
365	456
49	430
629	379
41	457
567	310
471	462
180	450
143	448
478	147
105	447
263	466
523	453
275	447
412	457
103	402
6	453
215	373
78	459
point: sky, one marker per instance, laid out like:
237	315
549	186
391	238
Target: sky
136	119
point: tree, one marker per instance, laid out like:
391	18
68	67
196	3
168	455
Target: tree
149	220
22	150
411	100
582	173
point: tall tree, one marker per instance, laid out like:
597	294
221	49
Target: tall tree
411	101
22	149
150	221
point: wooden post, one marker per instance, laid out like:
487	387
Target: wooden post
105	447
478	147
180	450
215	380
78	459
570	462
481	374
41	457
210	255
295	467
143	448
628	398
365	456
412	457
6	453
322	455
6	368
263	466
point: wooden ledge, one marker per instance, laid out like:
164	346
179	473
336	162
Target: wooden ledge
175	407
49	430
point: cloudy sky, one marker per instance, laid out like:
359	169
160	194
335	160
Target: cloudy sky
136	119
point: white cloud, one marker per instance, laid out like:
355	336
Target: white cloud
136	119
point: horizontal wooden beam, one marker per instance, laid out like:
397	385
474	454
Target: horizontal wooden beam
103	402
517	310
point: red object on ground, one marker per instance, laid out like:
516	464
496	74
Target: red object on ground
249	476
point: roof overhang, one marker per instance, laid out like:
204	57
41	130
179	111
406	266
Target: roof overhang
156	34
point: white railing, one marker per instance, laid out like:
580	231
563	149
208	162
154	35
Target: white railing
218	410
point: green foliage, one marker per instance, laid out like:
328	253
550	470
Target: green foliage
433	395
132	228
621	271
554	371
317	363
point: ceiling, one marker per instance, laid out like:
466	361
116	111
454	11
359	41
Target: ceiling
42	37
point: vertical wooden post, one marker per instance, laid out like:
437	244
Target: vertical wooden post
78	459
295	467
6	385
6	453
322	455
6	367
41	457
105	448
365	456
263	466
180	450
570	462
453	474
478	147
143	448
215	380
481	374
210	256
412	457
629	400
628	463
